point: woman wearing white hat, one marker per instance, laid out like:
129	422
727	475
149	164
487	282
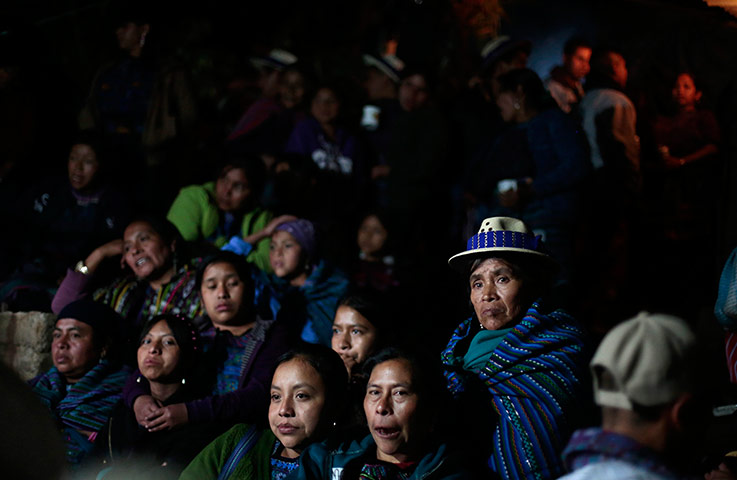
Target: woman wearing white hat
515	365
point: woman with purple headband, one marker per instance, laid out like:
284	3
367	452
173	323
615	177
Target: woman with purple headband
304	289
516	366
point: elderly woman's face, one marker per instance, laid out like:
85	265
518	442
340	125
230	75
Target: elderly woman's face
73	349
496	294
391	407
145	251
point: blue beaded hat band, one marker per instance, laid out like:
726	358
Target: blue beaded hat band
498	235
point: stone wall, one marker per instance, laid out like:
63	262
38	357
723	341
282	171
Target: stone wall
25	341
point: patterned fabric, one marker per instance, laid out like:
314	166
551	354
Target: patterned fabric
229	374
384	471
534	379
282	466
594	445
725	310
86	405
136	300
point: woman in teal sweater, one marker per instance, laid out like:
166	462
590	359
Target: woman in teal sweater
308	391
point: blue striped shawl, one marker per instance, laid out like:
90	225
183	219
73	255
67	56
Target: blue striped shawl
86	406
534	378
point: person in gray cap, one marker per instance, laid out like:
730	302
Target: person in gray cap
644	373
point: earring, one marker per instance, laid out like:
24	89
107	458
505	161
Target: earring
183	382
143	40
482	326
516	105
138	380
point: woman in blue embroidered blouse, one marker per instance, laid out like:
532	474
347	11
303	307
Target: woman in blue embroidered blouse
516	366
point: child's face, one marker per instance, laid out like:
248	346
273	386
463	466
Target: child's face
371	235
684	91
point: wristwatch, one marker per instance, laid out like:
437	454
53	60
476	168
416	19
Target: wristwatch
81	268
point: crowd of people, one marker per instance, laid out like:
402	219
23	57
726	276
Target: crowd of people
282	308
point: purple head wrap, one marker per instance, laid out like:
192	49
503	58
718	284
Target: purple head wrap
303	232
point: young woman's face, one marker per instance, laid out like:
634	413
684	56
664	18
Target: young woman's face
684	91
144	250
73	348
297	403
285	254
325	106
223	294
391	407
371	235
82	167
158	354
292	89
232	190
354	337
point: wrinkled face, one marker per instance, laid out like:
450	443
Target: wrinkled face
73	349
232	189
325	106
145	251
509	106
684	91
391	407
371	235
223	294
577	64
285	254
82	167
158	354
129	35
619	69
413	93
496	294
292	89
354	337
297	402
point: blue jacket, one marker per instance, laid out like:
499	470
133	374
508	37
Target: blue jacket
318	461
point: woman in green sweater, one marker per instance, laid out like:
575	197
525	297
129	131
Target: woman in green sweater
308	392
230	206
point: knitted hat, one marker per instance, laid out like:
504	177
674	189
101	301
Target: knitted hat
105	322
649	359
303	232
500	235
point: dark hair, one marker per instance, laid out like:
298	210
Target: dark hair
95	140
427	380
185	333
242	268
254	169
163	227
602	70
108	328
425	72
385	221
574	43
697	83
536	97
372	306
331	369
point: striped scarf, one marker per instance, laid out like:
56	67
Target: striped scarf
136	301
86	405
534	378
